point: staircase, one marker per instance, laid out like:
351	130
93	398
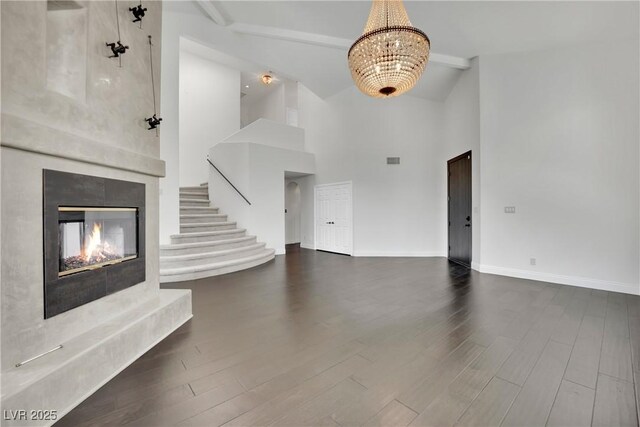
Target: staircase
208	244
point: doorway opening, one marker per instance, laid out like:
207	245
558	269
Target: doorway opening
459	209
292	214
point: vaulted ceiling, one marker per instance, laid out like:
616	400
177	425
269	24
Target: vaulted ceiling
308	40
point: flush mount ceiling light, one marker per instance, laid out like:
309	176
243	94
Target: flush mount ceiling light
267	79
390	56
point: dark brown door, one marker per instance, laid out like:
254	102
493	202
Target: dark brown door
459	185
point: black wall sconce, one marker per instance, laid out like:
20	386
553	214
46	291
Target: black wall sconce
153	122
138	13
117	48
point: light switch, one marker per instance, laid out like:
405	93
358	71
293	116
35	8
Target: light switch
509	209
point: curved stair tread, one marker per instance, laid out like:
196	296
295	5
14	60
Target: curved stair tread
195	200
194	187
178	246
208	224
208	233
199	207
198	210
211	215
267	253
218	253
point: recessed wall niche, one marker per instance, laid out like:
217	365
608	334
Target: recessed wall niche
67	48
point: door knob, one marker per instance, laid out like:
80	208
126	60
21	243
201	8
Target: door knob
468	218
467	225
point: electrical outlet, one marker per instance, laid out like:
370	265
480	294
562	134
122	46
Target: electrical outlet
532	261
509	209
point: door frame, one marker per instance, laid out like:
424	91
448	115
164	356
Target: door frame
315	212
456	158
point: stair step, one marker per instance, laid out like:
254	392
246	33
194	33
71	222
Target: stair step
179	274
201	218
202	247
191	260
207	226
207	236
202	195
194	202
198	210
196	189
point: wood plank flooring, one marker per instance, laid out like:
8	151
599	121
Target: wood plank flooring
317	339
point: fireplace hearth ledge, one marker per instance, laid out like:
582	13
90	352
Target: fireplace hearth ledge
63	379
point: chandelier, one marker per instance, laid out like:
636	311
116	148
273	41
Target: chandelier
389	57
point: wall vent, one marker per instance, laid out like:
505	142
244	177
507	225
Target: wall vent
393	160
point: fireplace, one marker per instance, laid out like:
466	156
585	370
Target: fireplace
93	238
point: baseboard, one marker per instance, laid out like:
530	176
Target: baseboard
307	246
398	254
475	266
583	282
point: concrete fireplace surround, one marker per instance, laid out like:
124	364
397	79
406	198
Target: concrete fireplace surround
90	123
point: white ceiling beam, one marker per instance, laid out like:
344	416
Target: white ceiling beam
329	41
290	35
212	12
450	61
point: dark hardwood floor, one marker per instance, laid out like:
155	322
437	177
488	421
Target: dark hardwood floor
317	339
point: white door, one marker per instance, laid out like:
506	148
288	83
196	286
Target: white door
334	223
323	218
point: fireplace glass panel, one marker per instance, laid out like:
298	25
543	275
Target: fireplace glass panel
91	238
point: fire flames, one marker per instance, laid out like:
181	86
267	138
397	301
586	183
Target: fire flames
100	247
96	250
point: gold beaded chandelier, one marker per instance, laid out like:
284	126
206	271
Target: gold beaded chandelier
389	57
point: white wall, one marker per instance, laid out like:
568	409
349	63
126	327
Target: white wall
169	149
398	209
559	141
462	134
270	105
209	112
279	103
